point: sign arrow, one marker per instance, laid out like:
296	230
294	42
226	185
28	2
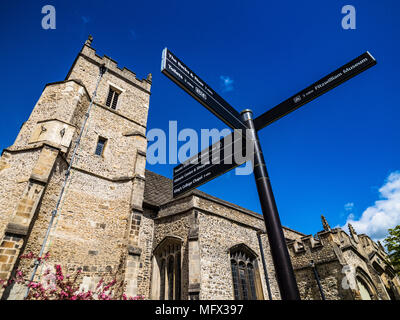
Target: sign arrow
189	81
344	73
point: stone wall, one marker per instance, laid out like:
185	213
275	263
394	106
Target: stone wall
216	237
146	236
15	170
10	248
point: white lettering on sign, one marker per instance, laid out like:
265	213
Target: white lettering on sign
355	65
175	72
170	56
201	93
319	86
183	67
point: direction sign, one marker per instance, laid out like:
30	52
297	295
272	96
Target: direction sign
344	73
225	155
184	77
188	175
201	168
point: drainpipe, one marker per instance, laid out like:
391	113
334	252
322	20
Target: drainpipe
312	265
264	264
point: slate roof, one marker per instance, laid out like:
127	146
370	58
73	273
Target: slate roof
157	188
158	191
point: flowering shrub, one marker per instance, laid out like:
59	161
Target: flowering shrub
57	286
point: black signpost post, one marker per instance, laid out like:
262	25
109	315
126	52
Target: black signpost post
194	172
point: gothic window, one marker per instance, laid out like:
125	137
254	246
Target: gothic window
112	98
364	292
101	142
171	277
235	279
250	270
178	277
245	277
168	257
162	280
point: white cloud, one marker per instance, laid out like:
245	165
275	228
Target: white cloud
384	214
227	83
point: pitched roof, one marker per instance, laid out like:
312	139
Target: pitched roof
158	191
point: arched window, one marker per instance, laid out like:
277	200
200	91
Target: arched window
171	277
178	277
365	285
252	284
235	279
245	276
364	291
168	258
162	280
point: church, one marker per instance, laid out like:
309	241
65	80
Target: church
86	197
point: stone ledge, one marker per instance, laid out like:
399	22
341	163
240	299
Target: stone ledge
142	153
134	134
193	233
136	208
135	251
194	287
38	178
16	228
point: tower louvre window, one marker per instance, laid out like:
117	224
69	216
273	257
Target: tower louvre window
101	142
112	98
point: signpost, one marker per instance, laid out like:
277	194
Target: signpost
200	168
344	73
210	163
179	73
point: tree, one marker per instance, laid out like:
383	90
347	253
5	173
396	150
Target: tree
392	242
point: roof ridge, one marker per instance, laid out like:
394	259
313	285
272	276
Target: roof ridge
211	197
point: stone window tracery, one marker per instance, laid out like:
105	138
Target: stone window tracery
168	258
245	276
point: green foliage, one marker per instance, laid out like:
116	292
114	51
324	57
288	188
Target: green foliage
392	242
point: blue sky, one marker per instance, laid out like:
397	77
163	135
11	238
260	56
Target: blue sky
338	155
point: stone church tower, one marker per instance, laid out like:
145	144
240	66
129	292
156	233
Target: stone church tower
95	225
94	207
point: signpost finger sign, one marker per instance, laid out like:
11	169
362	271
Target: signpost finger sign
207	164
189	81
